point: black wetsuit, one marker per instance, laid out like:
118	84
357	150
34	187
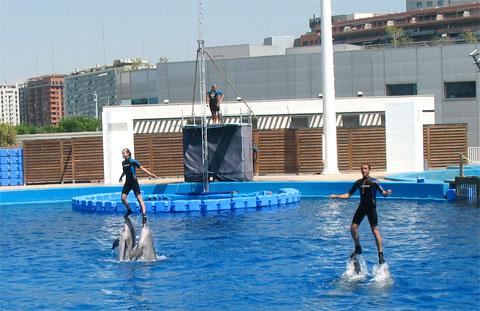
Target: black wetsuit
213	100
129	170
368	201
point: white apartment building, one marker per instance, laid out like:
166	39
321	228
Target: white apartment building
9	104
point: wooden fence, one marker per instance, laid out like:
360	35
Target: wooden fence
443	143
288	151
161	154
63	160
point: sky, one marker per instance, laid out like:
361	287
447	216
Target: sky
40	37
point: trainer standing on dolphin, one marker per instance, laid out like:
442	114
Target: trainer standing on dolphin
131	183
368	206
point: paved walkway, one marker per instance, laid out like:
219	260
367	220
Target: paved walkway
283	177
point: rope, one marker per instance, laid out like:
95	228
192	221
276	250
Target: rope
194	87
470	161
231	84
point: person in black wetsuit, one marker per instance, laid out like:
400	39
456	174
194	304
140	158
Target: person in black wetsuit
255	151
214	98
368	188
131	183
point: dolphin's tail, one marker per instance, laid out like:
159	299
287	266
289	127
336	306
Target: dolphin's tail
116	243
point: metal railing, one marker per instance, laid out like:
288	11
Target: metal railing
468	189
473	155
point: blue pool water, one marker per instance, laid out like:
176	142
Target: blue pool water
289	258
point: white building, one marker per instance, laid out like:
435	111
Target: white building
275	45
9	107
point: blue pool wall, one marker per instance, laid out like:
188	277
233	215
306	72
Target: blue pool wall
437	175
314	189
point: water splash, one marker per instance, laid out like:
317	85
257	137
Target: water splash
159	258
116	261
381	276
350	275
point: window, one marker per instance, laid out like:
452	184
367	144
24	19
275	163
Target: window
139	101
299	122
419	5
351	120
460	89
401	89
440	2
153	100
429	4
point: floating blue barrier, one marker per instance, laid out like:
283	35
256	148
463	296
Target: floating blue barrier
181	203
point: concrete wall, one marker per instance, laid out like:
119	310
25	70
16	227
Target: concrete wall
404	137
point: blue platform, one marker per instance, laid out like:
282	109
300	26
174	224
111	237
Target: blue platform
181	203
11	167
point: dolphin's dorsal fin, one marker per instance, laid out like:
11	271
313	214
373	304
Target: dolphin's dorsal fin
116	243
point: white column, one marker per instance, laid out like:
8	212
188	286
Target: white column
330	161
117	128
404	137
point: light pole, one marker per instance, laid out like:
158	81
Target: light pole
95	99
328	89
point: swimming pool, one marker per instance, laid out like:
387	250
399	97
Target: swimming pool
285	258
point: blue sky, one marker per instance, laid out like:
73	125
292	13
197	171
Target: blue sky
73	30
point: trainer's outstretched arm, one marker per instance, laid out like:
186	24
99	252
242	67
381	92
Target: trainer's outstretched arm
386	193
148	172
340	196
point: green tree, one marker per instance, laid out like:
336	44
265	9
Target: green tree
469	36
49	129
68	124
398	36
78	124
7	135
137	62
23	129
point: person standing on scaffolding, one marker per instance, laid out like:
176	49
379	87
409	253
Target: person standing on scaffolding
214	98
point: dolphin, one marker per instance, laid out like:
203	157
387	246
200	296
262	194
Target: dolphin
126	241
356	266
128	250
145	250
356	263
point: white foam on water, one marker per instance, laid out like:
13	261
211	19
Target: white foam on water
350	275
381	276
159	258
